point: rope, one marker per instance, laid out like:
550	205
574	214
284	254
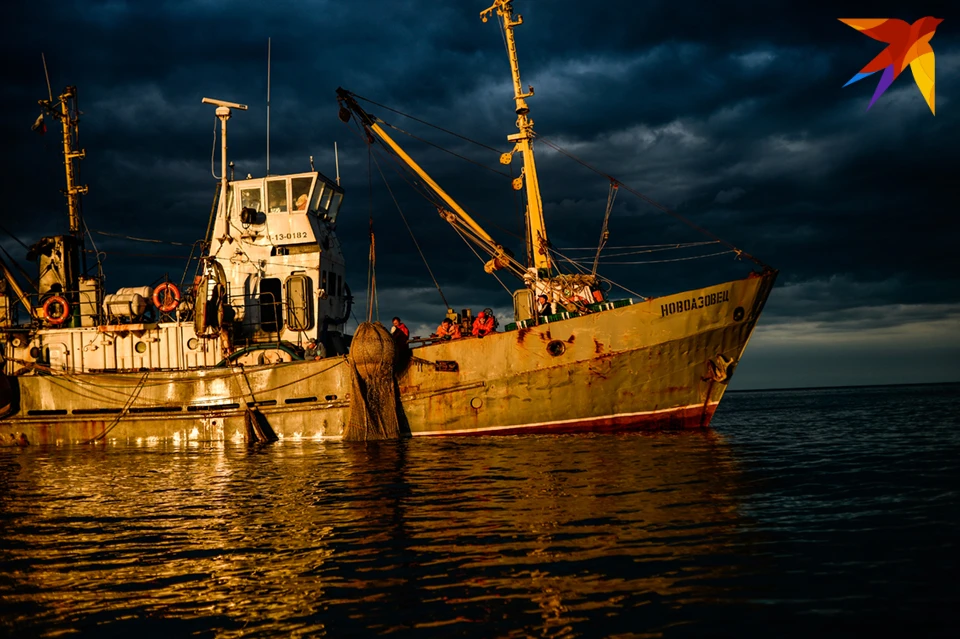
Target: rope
126	408
89	387
140	239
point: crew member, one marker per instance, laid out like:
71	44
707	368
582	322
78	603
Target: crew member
314	351
448	330
400	332
483	325
543	305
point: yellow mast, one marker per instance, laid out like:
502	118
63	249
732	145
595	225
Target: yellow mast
524	140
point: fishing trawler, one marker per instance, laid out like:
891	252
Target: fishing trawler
223	357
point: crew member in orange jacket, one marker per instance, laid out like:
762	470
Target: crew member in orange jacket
483	325
448	330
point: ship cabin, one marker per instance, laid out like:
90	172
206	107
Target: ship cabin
275	240
273	277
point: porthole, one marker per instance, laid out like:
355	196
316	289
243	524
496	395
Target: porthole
738	314
476	402
556	348
140	347
192	343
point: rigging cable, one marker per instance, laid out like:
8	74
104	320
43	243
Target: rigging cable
657	205
439	128
412	236
372	257
139	239
440	148
651	247
405	173
676	259
605	229
430	195
474	250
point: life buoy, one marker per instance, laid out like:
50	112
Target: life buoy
52	316
166	297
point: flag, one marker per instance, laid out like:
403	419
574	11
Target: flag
39	125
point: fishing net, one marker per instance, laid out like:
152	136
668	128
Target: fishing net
373	395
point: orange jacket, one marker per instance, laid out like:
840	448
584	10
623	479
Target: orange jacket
482	326
453	332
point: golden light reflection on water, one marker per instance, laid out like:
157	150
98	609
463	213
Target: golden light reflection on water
549	532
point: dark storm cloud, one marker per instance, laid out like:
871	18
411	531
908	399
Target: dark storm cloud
734	115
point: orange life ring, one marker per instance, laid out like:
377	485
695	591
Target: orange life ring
170	294
56	320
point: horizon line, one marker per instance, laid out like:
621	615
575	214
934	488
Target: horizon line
804	388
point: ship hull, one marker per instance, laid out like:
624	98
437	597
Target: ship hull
659	364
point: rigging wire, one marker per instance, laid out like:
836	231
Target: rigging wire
448	151
605	229
656	204
186	267
671	245
15	238
213	151
427	193
676	259
138	239
466	241
410	177
424	122
17	266
412	236
372	257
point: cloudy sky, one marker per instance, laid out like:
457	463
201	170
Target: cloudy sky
732	114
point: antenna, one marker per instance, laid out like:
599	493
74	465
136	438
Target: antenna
223	113
47	74
336	159
268	106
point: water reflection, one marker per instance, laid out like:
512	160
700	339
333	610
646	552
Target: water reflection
476	537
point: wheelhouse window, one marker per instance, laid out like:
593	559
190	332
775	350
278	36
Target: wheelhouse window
251	198
335	203
277	196
325	198
300	192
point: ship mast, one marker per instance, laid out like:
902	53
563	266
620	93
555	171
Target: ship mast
70	119
537	240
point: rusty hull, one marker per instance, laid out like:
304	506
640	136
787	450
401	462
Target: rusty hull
660	363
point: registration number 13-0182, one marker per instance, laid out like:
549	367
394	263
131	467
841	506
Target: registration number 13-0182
296	235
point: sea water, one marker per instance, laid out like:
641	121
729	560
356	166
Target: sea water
829	512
